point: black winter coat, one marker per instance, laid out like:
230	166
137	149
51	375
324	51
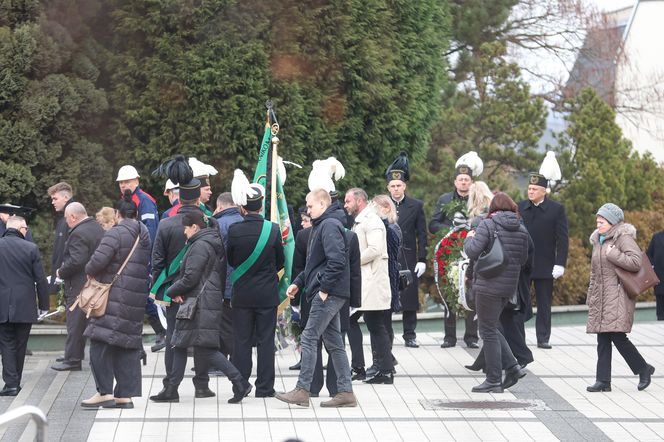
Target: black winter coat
439	220
61	235
20	269
547	225
259	286
655	253
82	242
413	226
326	268
122	325
514	238
202	275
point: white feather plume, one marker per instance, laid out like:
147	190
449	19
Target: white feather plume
550	168
240	188
335	168
281	170
201	169
472	160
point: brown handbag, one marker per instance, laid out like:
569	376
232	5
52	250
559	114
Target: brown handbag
638	282
93	298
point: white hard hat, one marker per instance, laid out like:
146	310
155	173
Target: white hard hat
127	173
170	186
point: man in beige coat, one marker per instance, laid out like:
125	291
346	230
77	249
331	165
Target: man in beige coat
376	293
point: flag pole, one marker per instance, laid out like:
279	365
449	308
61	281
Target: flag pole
274	216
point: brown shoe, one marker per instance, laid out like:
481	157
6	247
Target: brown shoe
99	400
298	396
344	399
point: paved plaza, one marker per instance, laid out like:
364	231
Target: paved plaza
423	404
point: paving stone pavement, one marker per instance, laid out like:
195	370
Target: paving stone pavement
555	403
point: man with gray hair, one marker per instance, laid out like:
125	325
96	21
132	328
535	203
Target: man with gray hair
84	236
21	272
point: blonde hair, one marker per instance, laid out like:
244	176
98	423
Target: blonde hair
479	199
385	202
106	218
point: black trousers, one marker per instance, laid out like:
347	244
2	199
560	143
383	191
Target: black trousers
355	341
469	336
380	340
497	353
512	327
110	362
409	319
659	302
628	351
330	377
226	332
204	357
544	295
75	343
388	326
258	323
171	312
13	344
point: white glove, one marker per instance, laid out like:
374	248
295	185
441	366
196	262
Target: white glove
557	272
420	267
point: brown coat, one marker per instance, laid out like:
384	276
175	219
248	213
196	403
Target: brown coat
609	307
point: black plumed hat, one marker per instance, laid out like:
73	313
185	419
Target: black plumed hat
399	169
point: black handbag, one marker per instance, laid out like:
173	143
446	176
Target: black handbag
188	308
405	279
493	262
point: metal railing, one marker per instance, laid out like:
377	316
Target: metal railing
27	410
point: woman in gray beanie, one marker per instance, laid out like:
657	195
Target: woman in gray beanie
610	310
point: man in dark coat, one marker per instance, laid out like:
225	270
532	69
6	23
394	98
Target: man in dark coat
61	196
546	222
85	233
443	219
655	253
255	289
20	270
327	280
410	213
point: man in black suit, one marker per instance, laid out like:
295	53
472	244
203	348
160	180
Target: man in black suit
546	222
20	270
255	286
85	233
61	195
410	212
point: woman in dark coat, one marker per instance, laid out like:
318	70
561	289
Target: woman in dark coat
493	293
116	337
202	276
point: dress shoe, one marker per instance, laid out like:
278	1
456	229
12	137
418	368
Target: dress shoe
240	393
644	377
159	344
512	376
202	393
60	359
298	396
472	345
99	400
412	343
381	378
268	394
296	366
475	366
447	344
599	386
372	371
10	391
67	366
358	374
344	399
488	387
544	345
123	402
168	394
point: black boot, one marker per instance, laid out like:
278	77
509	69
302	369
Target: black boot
241	390
644	377
358	374
381	378
168	394
202	393
599	386
512	375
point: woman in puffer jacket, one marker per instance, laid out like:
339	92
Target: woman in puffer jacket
493	293
610	310
200	277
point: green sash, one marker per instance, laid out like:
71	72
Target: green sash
165	273
260	245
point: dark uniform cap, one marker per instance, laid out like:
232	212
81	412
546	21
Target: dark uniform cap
463	170
399	169
537	179
11	209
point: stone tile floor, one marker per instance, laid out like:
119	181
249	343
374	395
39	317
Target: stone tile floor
555	385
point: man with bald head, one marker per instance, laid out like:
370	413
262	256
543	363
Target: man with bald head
84	237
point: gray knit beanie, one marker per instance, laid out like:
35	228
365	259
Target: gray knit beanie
612	213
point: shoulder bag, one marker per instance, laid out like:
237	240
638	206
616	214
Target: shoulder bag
93	298
493	262
638	282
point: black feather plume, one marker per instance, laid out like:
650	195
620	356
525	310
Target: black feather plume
176	169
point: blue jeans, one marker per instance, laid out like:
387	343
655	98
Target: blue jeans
324	321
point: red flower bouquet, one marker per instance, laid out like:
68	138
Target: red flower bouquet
448	253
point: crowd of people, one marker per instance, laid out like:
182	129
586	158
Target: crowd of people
215	273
